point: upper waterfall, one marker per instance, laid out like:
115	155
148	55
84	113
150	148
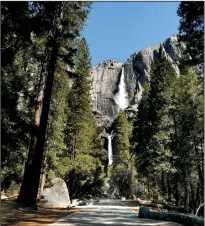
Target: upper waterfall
120	97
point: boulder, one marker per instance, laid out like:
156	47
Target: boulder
56	195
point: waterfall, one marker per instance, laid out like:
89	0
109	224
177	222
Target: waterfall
110	160
110	156
120	97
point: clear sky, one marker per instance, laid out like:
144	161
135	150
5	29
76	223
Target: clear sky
115	30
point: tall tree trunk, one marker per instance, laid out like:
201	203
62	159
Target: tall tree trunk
169	188
198	194
163	184
186	203
187	191
29	188
193	199
200	184
43	178
177	194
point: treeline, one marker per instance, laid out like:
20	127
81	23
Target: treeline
160	154
46	105
168	136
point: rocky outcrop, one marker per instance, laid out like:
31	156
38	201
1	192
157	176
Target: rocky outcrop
56	195
104	87
138	65
106	78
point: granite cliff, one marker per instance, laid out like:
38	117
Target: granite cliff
106	77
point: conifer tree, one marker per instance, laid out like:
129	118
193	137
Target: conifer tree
169	135
192	30
152	127
185	110
81	126
62	21
123	168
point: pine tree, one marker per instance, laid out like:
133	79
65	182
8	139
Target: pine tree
123	169
29	188
20	76
169	136
162	75
153	126
187	137
81	123
140	130
192	30
81	127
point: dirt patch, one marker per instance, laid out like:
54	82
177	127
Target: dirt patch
13	215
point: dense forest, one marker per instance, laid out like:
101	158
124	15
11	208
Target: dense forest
49	129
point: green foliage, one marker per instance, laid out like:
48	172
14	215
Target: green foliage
81	125
74	152
27	43
121	140
168	135
192	30
122	173
152	127
56	147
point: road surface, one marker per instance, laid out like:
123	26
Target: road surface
108	213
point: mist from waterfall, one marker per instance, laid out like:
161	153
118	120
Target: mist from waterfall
120	97
110	157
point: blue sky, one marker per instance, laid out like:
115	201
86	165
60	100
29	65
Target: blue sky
115	30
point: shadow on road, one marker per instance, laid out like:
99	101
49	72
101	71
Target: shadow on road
109	212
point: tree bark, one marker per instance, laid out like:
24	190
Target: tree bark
177	194
169	188
29	189
44	173
187	198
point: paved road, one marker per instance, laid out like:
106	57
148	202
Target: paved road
108	213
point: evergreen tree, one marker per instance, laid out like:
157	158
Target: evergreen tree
153	126
192	30
80	124
162	75
81	129
21	75
168	136
140	130
185	110
61	20
123	169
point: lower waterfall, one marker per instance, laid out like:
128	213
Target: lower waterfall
110	156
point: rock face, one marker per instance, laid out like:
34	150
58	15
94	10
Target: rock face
106	78
138	65
56	195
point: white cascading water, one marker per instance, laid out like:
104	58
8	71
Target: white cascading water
120	97
110	156
110	159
